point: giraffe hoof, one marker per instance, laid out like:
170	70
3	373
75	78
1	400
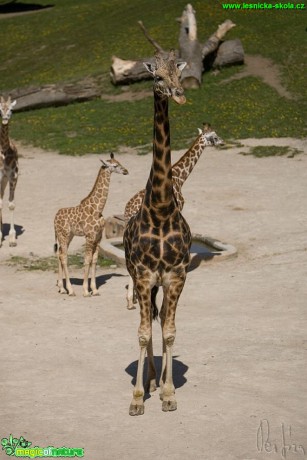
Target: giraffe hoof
168	406
71	294
96	292
136	409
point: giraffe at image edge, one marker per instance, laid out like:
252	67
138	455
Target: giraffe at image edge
8	167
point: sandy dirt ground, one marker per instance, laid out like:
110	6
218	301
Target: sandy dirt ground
68	364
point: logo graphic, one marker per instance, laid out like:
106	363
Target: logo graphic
20	447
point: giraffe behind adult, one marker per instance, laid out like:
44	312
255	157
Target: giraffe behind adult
157	241
180	172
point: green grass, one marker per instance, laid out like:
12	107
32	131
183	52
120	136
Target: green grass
272	151
77	38
51	263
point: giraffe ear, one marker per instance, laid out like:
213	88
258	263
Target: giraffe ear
181	65
13	104
104	164
199	131
149	67
112	155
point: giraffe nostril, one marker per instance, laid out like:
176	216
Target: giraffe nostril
179	92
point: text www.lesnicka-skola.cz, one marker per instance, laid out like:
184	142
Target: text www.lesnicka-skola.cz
263	6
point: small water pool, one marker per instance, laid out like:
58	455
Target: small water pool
204	248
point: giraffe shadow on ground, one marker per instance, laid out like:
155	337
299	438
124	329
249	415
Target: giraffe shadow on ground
100	280
6	229
179	371
197	259
20	7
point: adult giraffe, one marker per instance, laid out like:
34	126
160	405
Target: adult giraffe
157	241
180	172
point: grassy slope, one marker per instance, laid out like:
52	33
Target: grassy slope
78	37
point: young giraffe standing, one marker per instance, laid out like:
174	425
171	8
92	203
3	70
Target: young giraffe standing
157	241
180	172
85	220
8	166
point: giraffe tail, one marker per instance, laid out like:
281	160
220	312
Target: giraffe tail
154	308
55	246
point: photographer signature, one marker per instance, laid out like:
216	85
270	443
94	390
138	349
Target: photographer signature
284	446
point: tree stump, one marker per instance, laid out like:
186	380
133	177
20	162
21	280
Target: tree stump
190	50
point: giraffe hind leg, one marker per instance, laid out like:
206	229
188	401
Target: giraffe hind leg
3	181
12	232
63	267
1	234
131	295
151	384
60	283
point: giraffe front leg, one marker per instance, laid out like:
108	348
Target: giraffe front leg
169	402
170	300
144	334
151	384
88	258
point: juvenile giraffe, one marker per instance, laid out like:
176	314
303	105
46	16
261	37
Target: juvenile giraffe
85	220
181	169
180	172
8	166
157	241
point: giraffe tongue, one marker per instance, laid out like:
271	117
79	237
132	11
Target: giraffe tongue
179	99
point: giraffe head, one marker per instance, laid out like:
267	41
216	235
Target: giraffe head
6	108
166	73
209	136
113	165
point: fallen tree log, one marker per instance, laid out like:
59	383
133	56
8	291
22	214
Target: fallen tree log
124	71
230	52
198	57
55	94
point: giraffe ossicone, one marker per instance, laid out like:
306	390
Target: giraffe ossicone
85	220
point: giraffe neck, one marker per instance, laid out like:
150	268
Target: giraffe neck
159	188
4	137
98	196
185	165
